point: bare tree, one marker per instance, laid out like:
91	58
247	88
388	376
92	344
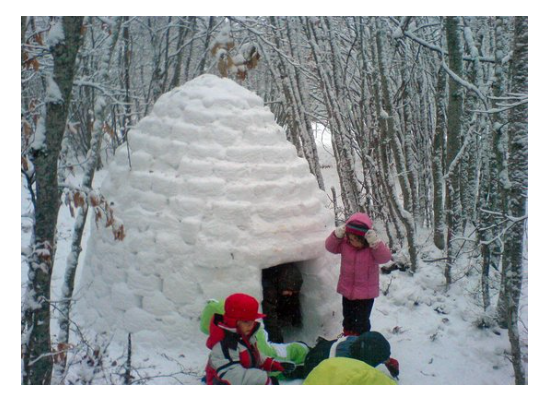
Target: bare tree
85	196
36	337
454	137
439	226
516	191
388	126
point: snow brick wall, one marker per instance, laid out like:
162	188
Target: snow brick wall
215	194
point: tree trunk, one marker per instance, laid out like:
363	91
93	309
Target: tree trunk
343	155
37	340
177	66
410	161
516	192
193	25
127	56
310	150
206	46
23	30
439	197
499	167
86	185
454	136
387	125
493	155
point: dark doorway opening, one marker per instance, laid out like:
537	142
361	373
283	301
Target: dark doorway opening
281	303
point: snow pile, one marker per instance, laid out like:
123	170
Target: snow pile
215	194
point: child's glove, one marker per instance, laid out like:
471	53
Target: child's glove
340	231
283	367
288	367
276	367
372	238
393	367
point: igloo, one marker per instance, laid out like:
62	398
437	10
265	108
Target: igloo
215	193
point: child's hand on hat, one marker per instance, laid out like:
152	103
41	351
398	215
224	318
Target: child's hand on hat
372	238
340	231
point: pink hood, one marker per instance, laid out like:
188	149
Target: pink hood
359	277
360	218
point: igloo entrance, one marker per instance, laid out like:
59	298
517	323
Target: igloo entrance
281	290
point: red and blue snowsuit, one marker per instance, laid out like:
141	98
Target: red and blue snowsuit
235	359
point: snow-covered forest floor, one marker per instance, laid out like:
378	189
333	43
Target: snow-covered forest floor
434	333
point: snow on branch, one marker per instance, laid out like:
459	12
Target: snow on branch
458	156
56	34
408	34
504	107
465	83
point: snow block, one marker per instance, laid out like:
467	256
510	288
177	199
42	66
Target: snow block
122	297
157	304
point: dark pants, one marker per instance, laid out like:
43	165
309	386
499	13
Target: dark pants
356	314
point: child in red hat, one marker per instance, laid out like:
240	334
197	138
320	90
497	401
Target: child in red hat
234	357
361	252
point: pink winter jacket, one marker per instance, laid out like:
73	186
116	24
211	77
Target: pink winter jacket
359	278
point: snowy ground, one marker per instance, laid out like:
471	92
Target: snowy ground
432	332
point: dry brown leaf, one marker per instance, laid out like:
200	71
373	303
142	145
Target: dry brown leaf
253	62
119	233
24	163
241	74
215	49
94	199
39	39
109	130
98	214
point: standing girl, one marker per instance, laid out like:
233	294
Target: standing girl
361	251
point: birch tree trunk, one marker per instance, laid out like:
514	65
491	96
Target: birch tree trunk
206	49
379	143
454	136
343	154
37	340
127	57
499	168
390	137
410	161
491	200
439	198
475	124
86	185
361	118
305	125
177	66
516	191
187	73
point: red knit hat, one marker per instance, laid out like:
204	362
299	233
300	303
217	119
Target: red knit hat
357	228
240	307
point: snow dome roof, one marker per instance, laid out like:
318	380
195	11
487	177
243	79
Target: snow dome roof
215	193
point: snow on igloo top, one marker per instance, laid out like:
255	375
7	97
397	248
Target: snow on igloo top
215	194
